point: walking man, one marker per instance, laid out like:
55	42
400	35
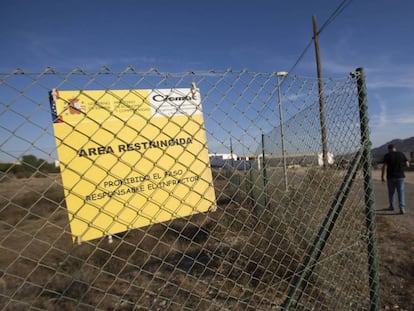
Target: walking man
394	163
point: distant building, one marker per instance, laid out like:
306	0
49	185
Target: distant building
295	160
228	161
223	156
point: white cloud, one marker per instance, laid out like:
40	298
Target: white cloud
386	127
391	82
337	68
404	118
390	75
380	118
389	118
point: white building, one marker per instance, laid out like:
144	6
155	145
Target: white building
224	156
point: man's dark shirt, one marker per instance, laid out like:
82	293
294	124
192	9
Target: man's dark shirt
395	164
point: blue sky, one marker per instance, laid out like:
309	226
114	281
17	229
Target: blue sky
261	35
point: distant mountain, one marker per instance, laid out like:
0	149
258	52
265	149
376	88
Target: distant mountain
404	145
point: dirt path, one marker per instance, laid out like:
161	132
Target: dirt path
395	234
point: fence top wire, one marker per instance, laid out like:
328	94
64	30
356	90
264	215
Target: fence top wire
104	70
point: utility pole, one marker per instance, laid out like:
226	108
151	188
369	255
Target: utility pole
321	96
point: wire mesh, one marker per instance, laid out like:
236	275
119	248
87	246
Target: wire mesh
238	247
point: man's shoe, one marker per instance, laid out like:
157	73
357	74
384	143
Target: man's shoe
402	211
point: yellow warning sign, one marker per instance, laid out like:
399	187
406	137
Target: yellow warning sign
131	158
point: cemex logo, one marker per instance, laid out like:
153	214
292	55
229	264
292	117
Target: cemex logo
163	98
75	106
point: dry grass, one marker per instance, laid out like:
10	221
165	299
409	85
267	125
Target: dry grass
242	256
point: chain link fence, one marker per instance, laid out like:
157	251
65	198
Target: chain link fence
216	190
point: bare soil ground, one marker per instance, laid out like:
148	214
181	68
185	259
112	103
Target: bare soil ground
395	236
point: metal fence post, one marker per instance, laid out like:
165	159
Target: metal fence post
282	135
264	172
368	190
312	257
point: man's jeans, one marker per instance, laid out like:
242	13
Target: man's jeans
396	184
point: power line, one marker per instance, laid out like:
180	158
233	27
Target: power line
335	14
301	56
341	7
